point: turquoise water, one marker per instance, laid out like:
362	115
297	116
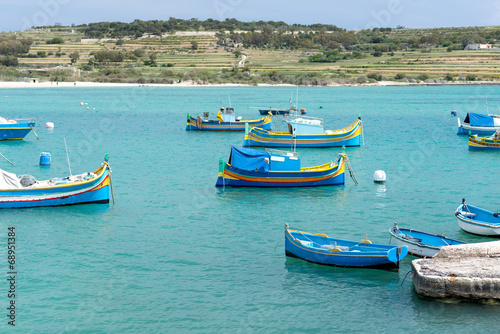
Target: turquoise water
175	254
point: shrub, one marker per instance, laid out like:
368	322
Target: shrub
470	77
400	76
55	40
375	76
377	53
448	77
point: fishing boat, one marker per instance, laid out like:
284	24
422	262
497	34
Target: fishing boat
478	124
26	192
305	131
254	168
478	221
277	111
421	243
15	129
225	121
485	143
319	248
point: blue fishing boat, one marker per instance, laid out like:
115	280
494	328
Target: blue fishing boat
479	124
27	192
253	168
319	248
305	131
15	129
490	143
226	121
478	221
420	243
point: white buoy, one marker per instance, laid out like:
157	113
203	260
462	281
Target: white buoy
49	125
379	176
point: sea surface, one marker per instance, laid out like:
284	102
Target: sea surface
174	254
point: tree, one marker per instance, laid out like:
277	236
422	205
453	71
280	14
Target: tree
152	57
74	57
55	40
237	53
194	45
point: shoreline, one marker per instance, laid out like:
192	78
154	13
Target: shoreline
22	84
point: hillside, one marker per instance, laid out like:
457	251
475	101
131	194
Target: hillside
274	53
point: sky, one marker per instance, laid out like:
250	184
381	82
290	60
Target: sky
351	15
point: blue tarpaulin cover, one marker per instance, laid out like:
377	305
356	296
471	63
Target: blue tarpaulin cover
480	119
249	159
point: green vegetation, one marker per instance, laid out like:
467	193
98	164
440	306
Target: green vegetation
211	51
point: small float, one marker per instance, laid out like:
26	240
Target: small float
304	131
421	243
478	221
15	129
26	191
321	249
254	168
225	121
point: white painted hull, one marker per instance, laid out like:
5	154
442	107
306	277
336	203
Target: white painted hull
478	228
417	250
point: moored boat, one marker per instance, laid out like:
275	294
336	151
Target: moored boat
478	221
478	124
305	132
421	243
321	249
27	192
15	129
485	143
226	121
254	168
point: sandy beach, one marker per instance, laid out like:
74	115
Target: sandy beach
22	84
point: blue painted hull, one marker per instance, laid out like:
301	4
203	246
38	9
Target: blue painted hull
478	221
92	190
348	136
15	131
325	176
420	243
342	253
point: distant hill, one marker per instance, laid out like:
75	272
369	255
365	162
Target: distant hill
276	52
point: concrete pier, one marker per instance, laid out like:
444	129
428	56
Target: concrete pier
469	271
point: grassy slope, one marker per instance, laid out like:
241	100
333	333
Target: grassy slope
211	59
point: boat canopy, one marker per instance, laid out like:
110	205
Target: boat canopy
249	159
479	119
9	180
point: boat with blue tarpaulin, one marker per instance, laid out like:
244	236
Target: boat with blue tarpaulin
421	243
478	124
321	249
254	168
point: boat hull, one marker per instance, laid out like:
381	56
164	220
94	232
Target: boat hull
477	221
466	129
264	123
95	190
274	111
235	177
349	136
420	243
15	131
342	253
477	143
